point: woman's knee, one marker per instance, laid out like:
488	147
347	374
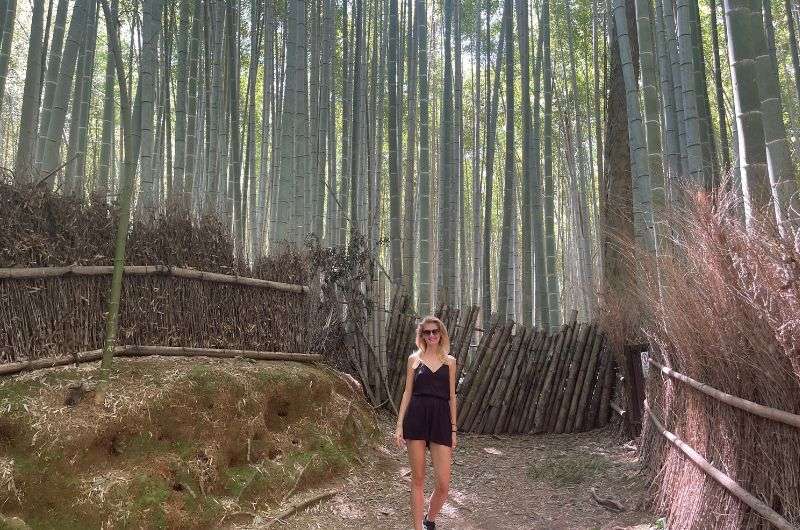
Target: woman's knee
417	480
442	485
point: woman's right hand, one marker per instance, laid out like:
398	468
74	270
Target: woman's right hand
398	438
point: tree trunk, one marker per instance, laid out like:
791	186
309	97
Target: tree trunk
24	163
66	74
779	163
396	257
51	77
425	291
553	290
505	308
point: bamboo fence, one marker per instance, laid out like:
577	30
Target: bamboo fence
46	311
516	379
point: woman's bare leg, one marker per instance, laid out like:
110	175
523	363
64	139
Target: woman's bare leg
416	458
442	456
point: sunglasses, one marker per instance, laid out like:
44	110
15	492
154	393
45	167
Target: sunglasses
431	332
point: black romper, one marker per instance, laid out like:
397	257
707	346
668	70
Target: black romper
428	414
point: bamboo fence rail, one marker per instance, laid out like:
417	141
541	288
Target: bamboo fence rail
144	270
146	351
721	478
763	411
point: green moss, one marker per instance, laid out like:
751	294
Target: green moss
569	470
149	495
145	444
238	479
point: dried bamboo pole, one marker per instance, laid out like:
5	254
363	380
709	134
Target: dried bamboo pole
608	389
498	384
591	418
468	328
514	383
549	359
144	351
180	351
549	389
403	339
571	378
721	478
763	411
546	389
589	376
536	351
483	378
485	349
465	362
560	380
51	362
145	270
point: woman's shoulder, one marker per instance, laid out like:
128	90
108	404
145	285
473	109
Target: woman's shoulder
450	360
414	355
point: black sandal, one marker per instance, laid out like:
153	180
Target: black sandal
429	525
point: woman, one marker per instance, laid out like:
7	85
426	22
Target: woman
427	417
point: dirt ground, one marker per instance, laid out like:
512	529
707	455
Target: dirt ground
498	482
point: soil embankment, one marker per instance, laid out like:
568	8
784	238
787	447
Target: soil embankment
175	443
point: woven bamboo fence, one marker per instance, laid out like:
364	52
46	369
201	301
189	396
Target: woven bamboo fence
49	311
518	379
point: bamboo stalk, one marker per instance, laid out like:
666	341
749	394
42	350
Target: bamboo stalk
590	377
514	383
465	362
722	479
590	420
143	351
605	397
499	384
51	362
559	382
535	352
763	411
572	376
482	379
145	270
548	359
181	351
548	392
485	350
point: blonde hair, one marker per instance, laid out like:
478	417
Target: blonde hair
444	337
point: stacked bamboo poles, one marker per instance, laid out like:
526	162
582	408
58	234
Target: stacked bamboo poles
524	380
461	331
518	380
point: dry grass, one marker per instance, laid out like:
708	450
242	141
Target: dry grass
723	307
175	443
55	316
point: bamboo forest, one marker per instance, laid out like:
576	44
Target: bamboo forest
226	224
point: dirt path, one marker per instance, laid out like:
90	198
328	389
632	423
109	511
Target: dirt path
541	482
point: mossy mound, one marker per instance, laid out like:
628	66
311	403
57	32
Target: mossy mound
175	443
